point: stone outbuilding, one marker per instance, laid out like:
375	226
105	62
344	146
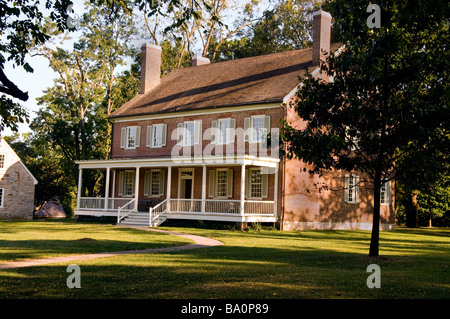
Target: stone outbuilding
16	186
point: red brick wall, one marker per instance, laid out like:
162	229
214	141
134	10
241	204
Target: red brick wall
305	202
143	151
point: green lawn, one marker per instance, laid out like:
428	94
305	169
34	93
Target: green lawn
253	264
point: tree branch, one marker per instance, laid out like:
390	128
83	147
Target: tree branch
10	88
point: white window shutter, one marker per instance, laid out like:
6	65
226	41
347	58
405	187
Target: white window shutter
164	135
265	185
232	130
121	182
147	183
162	175
388	192
230	183
356	189
149	136
247	182
212	183
123	137
138	136
197	131
267	130
346	183
180	133
247	128
213	132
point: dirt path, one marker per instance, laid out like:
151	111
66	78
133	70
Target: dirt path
199	242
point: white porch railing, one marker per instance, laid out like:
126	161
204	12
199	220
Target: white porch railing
185	205
212	206
127	208
156	212
257	207
94	203
223	206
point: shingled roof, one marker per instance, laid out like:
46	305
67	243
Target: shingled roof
255	80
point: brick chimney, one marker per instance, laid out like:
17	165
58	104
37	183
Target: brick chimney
150	66
199	60
321	35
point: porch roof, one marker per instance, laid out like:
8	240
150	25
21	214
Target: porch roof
180	161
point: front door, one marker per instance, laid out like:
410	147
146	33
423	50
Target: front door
185	189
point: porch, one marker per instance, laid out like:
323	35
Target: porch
149	191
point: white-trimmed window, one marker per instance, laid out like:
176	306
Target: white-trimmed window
385	193
223	131
2	161
256	128
130	137
257	183
154	182
189	133
351	189
2	193
221	183
156	135
126	183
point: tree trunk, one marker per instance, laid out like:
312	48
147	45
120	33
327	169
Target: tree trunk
375	238
412	210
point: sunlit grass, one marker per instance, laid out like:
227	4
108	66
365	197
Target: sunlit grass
254	264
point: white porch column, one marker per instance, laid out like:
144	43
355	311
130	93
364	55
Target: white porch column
136	189
203	189
80	176
108	169
275	192
169	180
242	189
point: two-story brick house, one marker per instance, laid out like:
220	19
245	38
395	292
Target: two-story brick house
195	145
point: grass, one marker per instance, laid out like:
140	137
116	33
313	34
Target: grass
253	264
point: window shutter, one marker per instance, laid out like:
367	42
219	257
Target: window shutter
356	189
213	132
180	133
162	175
149	136
164	135
197	131
212	183
123	137
133	176
138	136
230	183
388	192
147	183
247	129
121	182
346	182
232	130
267	130
247	183
265	185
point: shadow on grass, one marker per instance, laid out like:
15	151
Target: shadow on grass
231	272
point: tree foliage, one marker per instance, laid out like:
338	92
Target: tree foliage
389	89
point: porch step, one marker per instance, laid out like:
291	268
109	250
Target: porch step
141	219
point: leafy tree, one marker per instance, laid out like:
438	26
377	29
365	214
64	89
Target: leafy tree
389	89
21	27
